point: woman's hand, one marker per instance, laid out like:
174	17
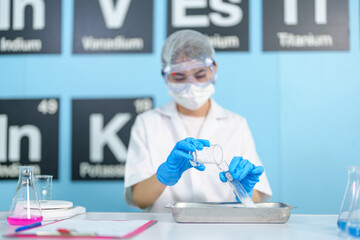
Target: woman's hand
178	161
246	172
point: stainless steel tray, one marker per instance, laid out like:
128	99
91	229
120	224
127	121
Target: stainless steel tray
210	212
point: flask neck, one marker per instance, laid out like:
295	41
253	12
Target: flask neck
26	173
353	174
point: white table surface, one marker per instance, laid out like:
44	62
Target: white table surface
304	227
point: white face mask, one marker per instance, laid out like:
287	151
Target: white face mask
193	97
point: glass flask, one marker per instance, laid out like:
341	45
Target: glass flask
353	221
350	191
25	207
214	155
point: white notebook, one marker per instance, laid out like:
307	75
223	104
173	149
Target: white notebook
61	213
54	210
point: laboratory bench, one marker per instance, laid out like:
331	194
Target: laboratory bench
299	226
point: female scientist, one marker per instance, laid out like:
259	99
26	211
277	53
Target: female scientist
158	170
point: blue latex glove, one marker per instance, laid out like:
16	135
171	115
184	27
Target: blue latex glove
246	172
177	162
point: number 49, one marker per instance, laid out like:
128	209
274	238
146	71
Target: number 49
48	106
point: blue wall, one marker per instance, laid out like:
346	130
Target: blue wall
302	107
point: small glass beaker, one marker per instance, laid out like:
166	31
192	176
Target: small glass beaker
349	196
209	155
43	185
25	207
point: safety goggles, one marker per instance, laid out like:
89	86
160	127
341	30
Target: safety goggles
178	77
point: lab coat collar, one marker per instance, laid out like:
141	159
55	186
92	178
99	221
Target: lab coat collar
211	122
216	111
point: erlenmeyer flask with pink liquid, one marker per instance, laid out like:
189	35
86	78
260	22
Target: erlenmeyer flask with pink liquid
25	207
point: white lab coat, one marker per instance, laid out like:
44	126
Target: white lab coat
155	133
